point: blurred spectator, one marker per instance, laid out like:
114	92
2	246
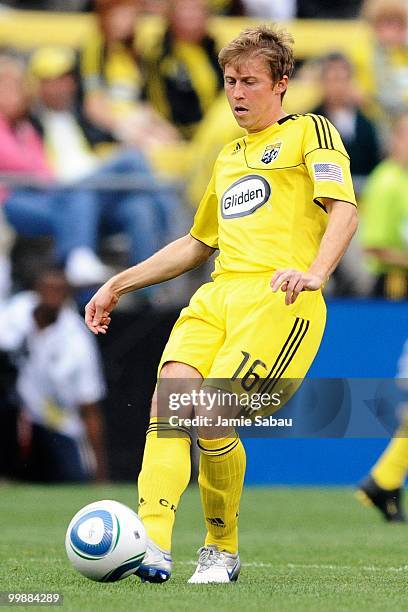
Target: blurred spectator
71	139
327	9
38	209
215	7
385	217
184	81
226	7
387	76
72	143
6	241
77	211
59	384
271	9
182	74
49	5
112	80
155	7
340	105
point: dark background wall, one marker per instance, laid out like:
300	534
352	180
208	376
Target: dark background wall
131	353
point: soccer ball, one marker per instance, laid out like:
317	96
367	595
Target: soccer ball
106	541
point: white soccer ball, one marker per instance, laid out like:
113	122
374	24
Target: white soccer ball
106	541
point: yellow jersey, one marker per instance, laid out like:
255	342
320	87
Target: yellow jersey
263	206
112	69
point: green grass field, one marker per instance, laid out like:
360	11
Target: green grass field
302	549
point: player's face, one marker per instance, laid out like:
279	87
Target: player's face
253	97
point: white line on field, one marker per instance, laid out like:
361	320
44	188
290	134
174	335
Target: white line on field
365	568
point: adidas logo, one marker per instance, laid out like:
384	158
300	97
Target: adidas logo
217	522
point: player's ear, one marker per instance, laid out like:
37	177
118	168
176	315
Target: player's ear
280	87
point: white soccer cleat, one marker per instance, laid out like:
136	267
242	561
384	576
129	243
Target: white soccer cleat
215	566
156	564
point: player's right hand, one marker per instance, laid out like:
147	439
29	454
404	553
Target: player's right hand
98	309
292	282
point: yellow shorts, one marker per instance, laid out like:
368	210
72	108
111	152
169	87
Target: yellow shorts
236	323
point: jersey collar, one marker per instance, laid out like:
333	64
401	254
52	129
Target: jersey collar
271	128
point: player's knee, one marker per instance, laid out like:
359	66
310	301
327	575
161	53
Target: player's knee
176	390
178	370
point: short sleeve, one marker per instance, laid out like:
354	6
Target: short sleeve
205	225
327	161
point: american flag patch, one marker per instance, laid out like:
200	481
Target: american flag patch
328	172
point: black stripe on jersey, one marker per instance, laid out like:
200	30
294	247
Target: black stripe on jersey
329	131
293	116
323	131
297	326
290	355
319	139
326	142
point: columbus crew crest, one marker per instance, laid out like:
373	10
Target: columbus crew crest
271	152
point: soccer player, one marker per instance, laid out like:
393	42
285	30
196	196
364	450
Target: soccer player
383	487
280	209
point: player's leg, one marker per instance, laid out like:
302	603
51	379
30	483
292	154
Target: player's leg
283	341
187	358
165	473
384	485
221	478
391	469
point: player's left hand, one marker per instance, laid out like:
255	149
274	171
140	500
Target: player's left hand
293	282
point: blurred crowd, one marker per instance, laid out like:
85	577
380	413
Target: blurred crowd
105	151
268	9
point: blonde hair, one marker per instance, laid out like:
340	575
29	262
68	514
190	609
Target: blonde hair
375	10
275	46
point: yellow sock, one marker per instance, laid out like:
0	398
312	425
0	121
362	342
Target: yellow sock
391	469
221	478
164	477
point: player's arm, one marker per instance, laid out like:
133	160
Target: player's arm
339	231
173	260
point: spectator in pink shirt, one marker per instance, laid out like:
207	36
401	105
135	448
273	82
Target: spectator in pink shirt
64	201
37	206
